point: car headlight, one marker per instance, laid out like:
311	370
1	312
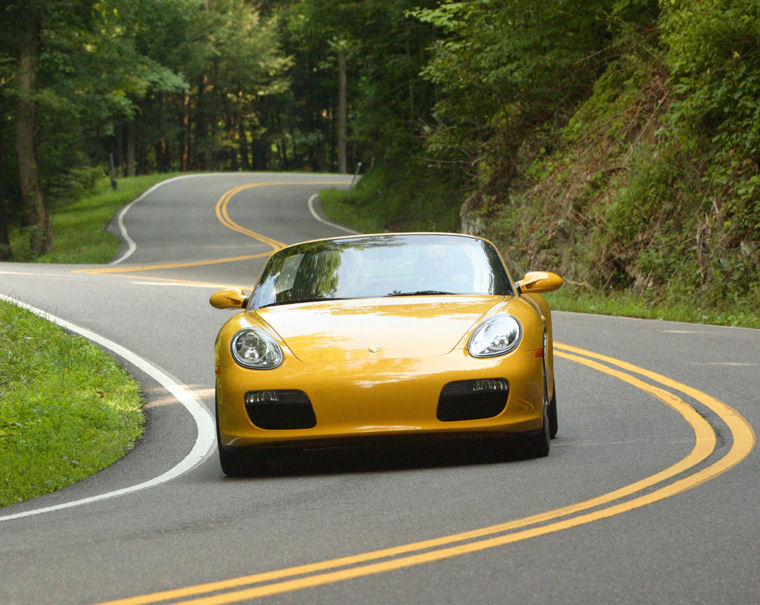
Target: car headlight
496	336
255	349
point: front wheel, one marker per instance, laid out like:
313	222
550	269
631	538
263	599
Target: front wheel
237	463
245	463
233	464
537	446
553	423
552	407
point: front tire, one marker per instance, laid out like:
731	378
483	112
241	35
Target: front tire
237	464
538	446
233	464
553	423
552	407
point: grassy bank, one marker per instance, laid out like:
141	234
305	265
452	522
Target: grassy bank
347	210
66	408
404	197
582	300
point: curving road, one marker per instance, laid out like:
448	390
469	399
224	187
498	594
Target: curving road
650	493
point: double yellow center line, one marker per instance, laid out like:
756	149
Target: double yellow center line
624	499
224	217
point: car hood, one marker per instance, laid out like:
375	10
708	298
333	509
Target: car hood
381	328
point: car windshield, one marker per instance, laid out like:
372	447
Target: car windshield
379	266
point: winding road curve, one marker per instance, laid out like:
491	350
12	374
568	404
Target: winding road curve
650	493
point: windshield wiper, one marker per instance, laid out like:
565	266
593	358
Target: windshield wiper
302	300
418	293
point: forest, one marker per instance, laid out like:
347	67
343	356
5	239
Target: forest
616	142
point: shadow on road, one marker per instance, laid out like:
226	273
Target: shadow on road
387	457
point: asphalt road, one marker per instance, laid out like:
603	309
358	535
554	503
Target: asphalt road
650	493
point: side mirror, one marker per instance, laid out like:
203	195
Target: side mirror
231	298
536	282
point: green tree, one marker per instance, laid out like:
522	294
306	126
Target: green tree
8	172
231	64
75	70
310	120
507	72
23	25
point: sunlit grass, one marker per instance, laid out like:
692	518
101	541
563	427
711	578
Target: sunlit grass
67	409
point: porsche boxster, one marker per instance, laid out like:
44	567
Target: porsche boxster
363	338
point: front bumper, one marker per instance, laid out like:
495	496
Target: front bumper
379	398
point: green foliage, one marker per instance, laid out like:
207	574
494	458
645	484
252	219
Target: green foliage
397	198
505	71
655	215
231	65
714	56
66	408
305	110
386	49
152	83
616	142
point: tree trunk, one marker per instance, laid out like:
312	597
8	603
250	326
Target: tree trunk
242	135
37	216
245	162
342	111
131	141
185	151
411	81
6	252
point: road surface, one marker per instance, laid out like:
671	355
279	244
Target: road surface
650	493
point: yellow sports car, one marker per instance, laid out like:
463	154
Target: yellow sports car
359	338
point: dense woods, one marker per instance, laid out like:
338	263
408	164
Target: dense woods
616	141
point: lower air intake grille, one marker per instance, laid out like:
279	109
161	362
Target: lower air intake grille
286	409
472	399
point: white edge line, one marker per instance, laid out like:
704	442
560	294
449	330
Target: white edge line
322	220
131	246
205	439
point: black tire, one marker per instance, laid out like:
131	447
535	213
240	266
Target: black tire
538	446
237	464
552	407
233	464
244	463
553	423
